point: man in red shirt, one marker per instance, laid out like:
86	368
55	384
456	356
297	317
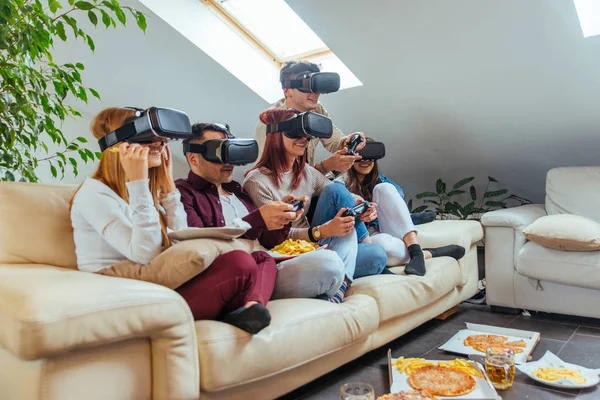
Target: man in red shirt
211	198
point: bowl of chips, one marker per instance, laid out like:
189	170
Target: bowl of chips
291	248
552	371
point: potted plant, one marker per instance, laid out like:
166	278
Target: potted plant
35	91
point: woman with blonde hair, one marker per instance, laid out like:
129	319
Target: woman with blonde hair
122	213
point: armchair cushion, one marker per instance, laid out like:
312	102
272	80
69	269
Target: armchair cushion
565	232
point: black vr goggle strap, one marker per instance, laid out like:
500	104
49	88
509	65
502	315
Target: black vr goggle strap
197	148
293	83
284	126
125	132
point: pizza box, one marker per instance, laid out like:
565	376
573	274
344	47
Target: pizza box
483	387
456	343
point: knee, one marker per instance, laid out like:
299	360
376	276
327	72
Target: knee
331	266
378	256
382	190
238	262
335	190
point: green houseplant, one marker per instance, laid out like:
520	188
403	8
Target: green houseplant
35	91
445	203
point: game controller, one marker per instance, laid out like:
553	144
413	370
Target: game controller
352	144
356	210
296	205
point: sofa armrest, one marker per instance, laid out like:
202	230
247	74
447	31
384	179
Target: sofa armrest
504	238
517	218
46	311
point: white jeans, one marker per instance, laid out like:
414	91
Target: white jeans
309	275
394	223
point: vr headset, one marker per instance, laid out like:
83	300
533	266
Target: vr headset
315	82
306	124
151	125
372	151
225	151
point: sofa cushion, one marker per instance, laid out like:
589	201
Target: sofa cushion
402	294
442	233
35	225
580	269
574	190
565	232
301	330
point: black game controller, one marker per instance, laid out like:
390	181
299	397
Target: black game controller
356	210
353	143
296	205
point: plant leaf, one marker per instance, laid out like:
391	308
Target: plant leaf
440	186
53	170
90	43
426	194
491	179
93	17
495	193
105	18
9	176
419	209
60	31
82	139
498	204
84	5
462	182
120	15
80	66
140	19
54	5
455	192
94	93
473	193
409	204
431	202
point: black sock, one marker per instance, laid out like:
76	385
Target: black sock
416	265
387	271
453	250
252	319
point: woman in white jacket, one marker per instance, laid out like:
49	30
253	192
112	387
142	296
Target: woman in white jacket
123	211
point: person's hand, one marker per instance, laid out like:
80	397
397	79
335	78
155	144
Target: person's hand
167	158
340	161
277	214
134	159
338	226
360	145
370	215
289	198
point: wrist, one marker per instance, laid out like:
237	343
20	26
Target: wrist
325	167
324	230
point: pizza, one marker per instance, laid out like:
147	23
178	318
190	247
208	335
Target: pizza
408	395
442	381
482	342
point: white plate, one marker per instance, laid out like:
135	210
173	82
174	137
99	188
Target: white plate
550	360
224	232
280	257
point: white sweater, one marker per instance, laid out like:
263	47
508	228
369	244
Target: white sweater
107	230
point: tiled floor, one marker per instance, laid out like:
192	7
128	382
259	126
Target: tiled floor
573	339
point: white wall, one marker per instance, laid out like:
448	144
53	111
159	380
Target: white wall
506	88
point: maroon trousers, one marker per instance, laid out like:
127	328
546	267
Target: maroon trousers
232	280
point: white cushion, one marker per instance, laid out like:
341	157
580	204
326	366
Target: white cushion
565	232
580	269
301	330
402	294
574	190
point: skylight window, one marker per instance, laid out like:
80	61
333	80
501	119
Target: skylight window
589	16
251	39
274	24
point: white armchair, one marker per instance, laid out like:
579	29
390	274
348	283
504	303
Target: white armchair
525	275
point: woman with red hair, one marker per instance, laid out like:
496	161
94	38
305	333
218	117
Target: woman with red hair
281	170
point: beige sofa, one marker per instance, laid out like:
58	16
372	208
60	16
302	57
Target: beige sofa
66	334
522	274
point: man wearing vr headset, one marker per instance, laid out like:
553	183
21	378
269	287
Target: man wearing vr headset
212	199
302	84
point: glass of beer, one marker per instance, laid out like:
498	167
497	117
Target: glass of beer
500	366
357	391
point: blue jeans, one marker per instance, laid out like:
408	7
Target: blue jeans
360	259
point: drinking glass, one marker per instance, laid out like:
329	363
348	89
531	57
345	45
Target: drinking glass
500	367
357	391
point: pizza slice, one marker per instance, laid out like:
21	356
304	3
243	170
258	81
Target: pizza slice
442	381
408	395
